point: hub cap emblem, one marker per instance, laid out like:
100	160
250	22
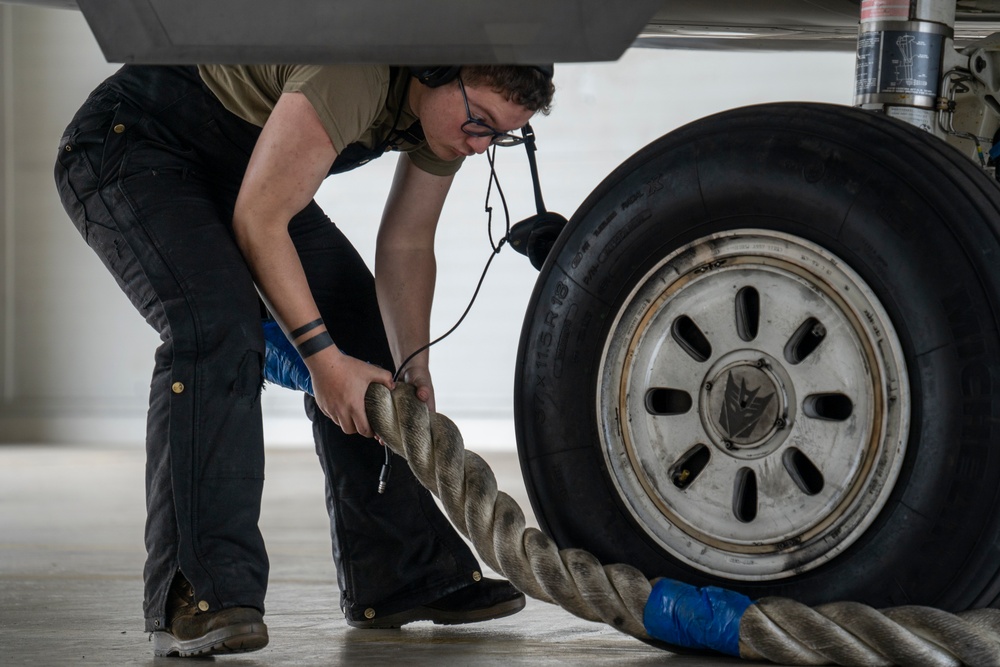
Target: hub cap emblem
742	409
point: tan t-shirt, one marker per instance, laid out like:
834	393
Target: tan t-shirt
356	103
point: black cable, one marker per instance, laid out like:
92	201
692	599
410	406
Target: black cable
383	478
491	156
494	245
467	309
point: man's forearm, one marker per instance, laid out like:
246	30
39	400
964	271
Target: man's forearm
404	282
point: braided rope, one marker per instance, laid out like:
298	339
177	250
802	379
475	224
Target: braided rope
494	523
850	633
775	629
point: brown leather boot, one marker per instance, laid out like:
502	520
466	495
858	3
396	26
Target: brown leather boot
194	632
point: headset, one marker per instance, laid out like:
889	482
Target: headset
435	76
535	235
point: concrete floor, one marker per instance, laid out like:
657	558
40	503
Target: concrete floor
71	555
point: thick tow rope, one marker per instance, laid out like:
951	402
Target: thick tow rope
494	523
774	629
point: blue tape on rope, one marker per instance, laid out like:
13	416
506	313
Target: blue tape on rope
693	617
282	364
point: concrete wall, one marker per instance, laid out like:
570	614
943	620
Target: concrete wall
75	358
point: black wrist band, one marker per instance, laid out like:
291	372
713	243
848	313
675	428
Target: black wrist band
305	328
315	344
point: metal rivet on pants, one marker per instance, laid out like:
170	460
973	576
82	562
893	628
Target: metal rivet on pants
156	624
68	148
119	128
203	605
177	387
369	613
476	576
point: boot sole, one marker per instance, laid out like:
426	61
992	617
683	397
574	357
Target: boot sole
233	639
441	616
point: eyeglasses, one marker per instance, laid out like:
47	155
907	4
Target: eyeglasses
477	128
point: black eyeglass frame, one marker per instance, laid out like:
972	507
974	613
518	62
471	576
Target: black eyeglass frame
477	128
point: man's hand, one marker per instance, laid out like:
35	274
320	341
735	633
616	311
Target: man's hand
340	383
420	378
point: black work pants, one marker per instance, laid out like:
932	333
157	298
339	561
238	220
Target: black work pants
149	170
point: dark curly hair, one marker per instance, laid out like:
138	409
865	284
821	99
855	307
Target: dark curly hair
520	84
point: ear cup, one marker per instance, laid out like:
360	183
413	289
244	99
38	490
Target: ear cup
433	77
547	70
543	237
535	236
